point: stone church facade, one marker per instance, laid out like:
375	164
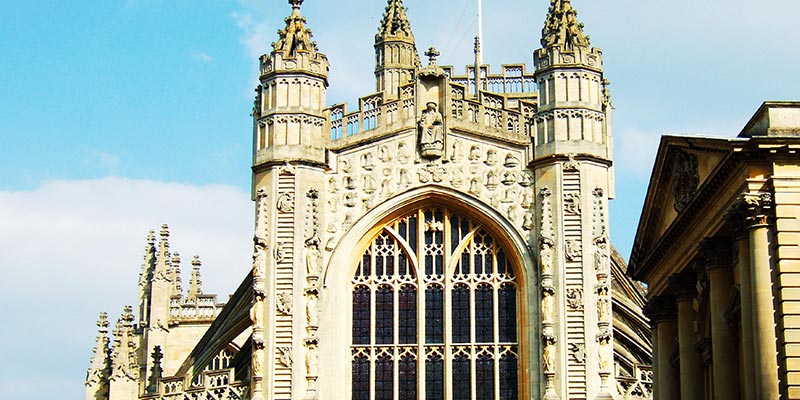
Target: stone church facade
447	239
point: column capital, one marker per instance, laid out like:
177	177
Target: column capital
750	210
684	284
715	253
661	308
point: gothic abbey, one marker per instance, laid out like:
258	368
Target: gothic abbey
446	239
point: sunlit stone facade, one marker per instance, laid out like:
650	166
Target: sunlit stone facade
445	239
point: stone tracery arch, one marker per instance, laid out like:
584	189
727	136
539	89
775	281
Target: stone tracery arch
340	280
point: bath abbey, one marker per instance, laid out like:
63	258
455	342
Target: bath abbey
445	238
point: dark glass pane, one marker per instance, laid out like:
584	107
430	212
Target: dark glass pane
434	378
434	314
384	315
461	378
484	314
389	263
361	378
408	378
460	310
463	265
478	263
502	268
366	261
508	377
428	265
402	229
412	233
484	378
439	263
402	267
507	313
408	315
361	311
488	264
455	235
384	377
464	227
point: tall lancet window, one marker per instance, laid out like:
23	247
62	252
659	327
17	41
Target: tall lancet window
434	312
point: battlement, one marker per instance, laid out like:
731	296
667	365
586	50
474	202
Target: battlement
506	103
203	308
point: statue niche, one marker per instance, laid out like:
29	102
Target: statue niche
431	132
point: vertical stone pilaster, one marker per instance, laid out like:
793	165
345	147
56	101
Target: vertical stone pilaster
662	313
691	375
717	257
737	218
548	302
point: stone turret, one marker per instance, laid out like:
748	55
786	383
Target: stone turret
572	158
395	51
574	106
146	278
288	117
100	368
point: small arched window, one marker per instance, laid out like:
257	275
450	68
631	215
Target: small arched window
434	312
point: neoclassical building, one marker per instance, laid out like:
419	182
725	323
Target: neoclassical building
718	245
446	238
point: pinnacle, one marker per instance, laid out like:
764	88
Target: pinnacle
562	28
295	37
395	22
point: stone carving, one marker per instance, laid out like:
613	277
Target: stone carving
258	363
312	311
571	165
312	361
603	308
492	180
572	249
527	222
285	356
366	161
572	204
578	352
548	292
331	243
257	311
285	202
370	185
549	353
474	187
350	199
350	183
491	158
402	153
575	298
333	185
546	255
509	178
283	302
384	154
511	161
313	267
601	261
684	179
525	179
434	226
457	152
475	153
344	166
431	131
259	259
458	177
404	180
280	254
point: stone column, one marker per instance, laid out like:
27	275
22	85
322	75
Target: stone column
662	313
685	286
766	364
737	218
717	257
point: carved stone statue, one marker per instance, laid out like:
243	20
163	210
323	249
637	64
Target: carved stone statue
312	256
431	127
311	310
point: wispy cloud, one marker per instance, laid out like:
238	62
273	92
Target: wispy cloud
202	56
71	249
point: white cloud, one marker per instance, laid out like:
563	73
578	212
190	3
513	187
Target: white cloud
70	249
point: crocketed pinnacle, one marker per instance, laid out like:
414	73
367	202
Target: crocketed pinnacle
295	37
395	22
562	29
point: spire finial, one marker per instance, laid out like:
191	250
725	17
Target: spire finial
295	37
395	22
562	28
195	284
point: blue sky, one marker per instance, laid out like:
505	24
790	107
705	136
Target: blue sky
118	115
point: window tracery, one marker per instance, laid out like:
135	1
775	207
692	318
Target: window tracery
434	312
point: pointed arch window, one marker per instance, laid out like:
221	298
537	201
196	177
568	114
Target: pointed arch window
434	312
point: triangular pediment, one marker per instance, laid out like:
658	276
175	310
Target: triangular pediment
682	166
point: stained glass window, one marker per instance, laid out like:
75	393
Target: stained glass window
442	279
